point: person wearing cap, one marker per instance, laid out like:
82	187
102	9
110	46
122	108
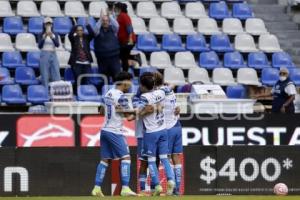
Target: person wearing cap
47	42
283	93
126	36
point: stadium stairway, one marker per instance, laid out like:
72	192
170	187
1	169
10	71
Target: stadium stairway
280	23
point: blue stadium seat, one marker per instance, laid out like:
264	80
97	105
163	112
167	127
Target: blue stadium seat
209	60
147	69
62	25
6	79
219	10
172	43
106	88
13	25
35	25
37	94
269	76
88	93
196	43
12	59
69	76
295	75
82	21
95	79
236	92
33	59
147	43
12	94
25	76
282	59
258	60
220	43
242	11
234	60
92	46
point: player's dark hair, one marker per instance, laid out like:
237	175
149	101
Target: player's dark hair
122	7
123	76
158	77
147	80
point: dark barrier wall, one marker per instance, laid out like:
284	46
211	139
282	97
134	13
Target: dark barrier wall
208	170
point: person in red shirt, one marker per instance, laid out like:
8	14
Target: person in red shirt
126	35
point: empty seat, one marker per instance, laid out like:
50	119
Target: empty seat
174	76
13	25
220	43
209	60
185	60
258	60
35	25
147	43
63	58
255	26
234	60
248	76
95	8
183	26
196	43
295	75
6	78
245	43
12	94
282	59
208	26
172	43
5	9
269	76
195	10
26	42
139	26
242	11
12	59
68	75
27	9
146	10
232	26
51	9
62	25
88	93
197	74
160	60
147	69
95	77
159	26
33	59
74	9
223	77
6	43
170	10
219	10
37	94
25	76
236	92
269	43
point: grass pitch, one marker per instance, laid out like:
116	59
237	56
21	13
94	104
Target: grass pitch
163	198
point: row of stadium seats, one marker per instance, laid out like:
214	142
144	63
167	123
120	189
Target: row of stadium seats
145	9
161	60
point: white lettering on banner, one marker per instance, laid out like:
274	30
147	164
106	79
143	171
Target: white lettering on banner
295	140
258	138
8	177
232	136
209	172
193	140
276	131
3	135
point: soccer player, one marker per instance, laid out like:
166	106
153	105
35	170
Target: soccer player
174	129
113	142
155	136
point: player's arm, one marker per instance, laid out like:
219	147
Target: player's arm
177	110
144	107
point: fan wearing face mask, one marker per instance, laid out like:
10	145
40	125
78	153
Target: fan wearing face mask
283	93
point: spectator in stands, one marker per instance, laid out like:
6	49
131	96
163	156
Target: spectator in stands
107	48
283	93
80	58
126	35
49	65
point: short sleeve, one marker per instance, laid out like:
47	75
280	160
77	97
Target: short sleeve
144	101
290	89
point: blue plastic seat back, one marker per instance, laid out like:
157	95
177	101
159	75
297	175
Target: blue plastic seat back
242	11
35	25
219	10
236	92
37	94
269	76
209	60
62	25
33	59
68	75
196	42
13	25
234	60
12	59
258	60
282	59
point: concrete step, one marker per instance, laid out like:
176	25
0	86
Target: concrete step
263	2
275	9
281	26
270	17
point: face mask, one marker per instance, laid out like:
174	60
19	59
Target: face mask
282	78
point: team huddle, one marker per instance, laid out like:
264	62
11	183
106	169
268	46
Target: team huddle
158	132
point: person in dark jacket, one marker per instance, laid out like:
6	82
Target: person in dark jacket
283	92
80	58
106	46
49	65
126	36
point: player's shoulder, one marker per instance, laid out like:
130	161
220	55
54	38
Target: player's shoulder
114	93
166	89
